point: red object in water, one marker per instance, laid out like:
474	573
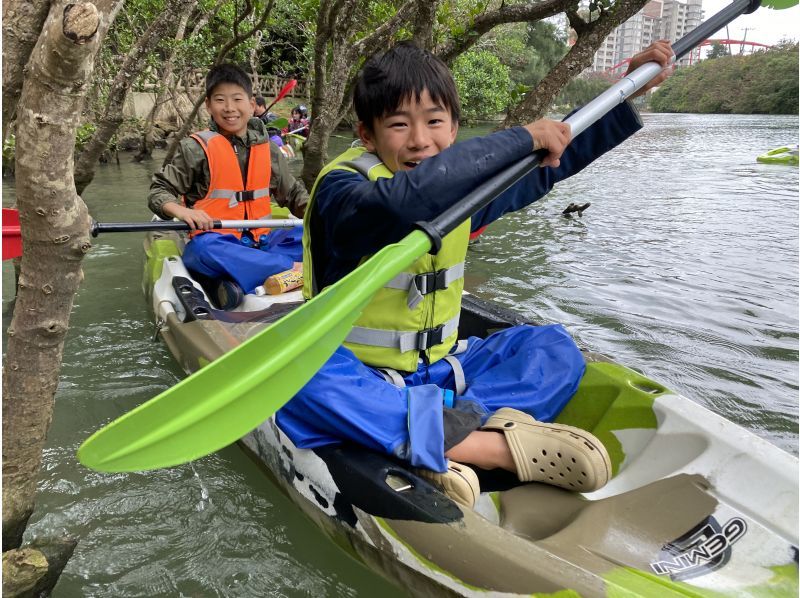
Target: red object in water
477	233
12	238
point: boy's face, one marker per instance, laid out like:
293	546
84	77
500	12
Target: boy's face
231	107
415	131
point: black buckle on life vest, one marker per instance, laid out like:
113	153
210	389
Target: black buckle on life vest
428	282
430	337
245	196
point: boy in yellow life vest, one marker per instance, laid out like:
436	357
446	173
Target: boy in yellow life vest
404	383
231	172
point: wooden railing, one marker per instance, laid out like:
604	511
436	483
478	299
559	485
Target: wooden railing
268	86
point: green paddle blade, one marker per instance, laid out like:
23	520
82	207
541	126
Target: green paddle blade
237	392
779	4
279	123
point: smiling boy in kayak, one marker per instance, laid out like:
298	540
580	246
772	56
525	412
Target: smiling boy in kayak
231	172
403	383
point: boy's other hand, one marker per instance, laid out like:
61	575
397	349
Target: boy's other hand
660	52
196	219
554	136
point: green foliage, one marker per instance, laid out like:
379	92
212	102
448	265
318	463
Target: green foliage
581	91
83	135
484	84
762	83
546	45
717	50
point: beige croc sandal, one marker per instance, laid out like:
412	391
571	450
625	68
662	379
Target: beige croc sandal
459	482
554	454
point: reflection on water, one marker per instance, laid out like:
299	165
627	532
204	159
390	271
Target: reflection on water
685	267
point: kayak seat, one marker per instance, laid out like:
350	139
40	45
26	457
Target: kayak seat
197	307
627	529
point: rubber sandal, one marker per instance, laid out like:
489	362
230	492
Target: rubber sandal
554	454
459	482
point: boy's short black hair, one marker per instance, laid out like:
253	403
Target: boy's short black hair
260	101
227	73
401	73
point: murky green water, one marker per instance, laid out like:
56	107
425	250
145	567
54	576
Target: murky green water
684	267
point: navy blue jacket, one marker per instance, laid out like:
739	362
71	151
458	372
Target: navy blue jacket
353	217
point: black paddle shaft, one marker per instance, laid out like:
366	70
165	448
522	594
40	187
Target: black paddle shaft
487	192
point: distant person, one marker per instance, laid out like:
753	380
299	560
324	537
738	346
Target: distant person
299	124
268	117
262	112
231	172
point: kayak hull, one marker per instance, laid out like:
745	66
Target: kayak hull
781	155
697	505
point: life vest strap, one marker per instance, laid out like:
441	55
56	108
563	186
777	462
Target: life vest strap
426	282
402	340
458	374
392	376
236	196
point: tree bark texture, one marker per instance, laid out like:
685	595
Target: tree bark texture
423	26
22	22
34	570
590	36
238	38
55	235
110	120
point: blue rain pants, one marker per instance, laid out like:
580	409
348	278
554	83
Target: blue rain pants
535	369
225	257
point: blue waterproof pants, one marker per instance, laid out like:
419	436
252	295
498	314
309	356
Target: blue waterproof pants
225	257
535	369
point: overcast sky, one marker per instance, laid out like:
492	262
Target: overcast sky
765	25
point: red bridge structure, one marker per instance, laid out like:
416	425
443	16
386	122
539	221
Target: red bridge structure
709	42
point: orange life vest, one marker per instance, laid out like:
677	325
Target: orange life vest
228	198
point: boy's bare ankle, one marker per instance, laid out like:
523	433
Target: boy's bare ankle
485	449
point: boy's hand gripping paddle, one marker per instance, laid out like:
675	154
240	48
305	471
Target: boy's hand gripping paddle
234	394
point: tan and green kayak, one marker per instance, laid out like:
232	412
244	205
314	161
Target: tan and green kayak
697	506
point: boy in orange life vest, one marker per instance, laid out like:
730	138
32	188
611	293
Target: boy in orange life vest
231	172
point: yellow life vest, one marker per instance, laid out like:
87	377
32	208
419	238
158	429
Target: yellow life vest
417	311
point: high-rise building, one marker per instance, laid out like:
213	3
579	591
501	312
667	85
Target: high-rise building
659	19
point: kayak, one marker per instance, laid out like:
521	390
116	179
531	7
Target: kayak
697	506
780	155
295	141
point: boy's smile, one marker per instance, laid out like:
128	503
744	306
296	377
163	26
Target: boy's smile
231	107
415	131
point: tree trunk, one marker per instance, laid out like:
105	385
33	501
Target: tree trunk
424	21
146	144
590	36
22	22
55	234
111	119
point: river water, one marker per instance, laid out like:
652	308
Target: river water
684	267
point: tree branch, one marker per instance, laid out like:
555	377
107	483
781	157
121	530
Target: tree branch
513	13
